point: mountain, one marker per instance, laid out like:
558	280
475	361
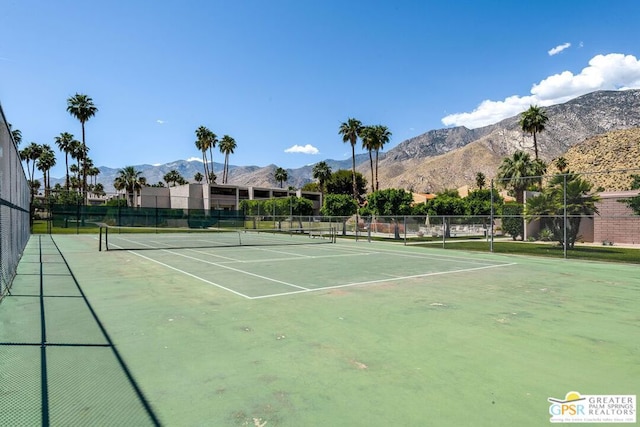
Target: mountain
449	157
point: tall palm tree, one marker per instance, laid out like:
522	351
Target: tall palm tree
368	136
350	131
532	121
227	145
481	180
517	172
383	136
82	108
281	176
203	143
322	172
213	140
128	179
66	143
45	162
30	154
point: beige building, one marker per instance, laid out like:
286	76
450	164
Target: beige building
216	196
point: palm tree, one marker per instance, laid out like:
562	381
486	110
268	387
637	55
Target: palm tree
45	162
16	134
31	153
227	145
82	108
281	176
532	121
561	164
517	172
202	143
128	179
350	131
213	140
66	143
481	180
173	176
322	172
368	135
198	177
382	137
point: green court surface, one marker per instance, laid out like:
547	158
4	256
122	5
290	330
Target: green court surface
345	334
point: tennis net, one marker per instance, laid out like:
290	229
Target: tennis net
146	238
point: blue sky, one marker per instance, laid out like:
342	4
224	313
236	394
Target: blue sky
281	75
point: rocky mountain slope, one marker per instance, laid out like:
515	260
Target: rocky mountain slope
451	157
459	153
610	159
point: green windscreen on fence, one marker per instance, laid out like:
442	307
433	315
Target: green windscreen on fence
14	207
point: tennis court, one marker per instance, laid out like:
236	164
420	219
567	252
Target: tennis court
308	332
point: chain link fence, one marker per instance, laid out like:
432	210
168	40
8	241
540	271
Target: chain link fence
14	207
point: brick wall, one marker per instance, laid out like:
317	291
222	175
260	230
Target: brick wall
616	223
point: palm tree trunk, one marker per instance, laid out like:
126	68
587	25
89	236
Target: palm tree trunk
377	186
66	164
353	169
372	177
535	144
84	167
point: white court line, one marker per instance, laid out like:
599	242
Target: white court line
409	254
368	282
191	275
232	260
237	270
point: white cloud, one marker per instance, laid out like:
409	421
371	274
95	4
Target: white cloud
556	50
160	122
306	149
194	159
613	71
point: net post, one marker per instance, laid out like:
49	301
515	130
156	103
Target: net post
100	240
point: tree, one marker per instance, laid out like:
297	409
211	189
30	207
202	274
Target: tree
45	162
512	219
350	131
198	177
128	179
341	205
281	175
173	176
532	121
66	144
30	154
517	172
227	145
549	206
321	172
206	139
481	180
561	164
479	202
382	137
340	182
82	108
390	201
16	134
446	204
369	143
